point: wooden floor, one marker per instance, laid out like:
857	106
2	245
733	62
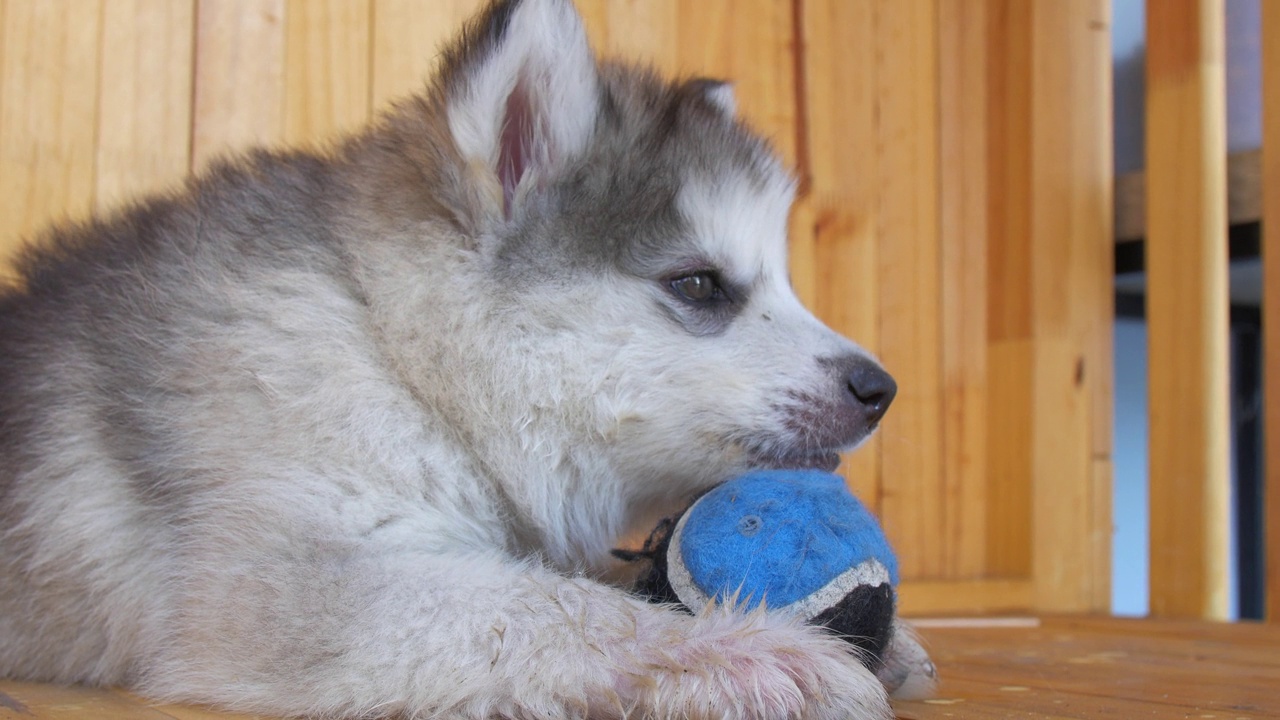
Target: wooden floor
1060	668
1055	668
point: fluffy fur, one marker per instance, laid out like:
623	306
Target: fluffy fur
351	434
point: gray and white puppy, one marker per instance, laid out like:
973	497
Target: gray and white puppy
352	434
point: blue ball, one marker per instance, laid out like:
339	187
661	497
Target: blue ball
778	537
791	541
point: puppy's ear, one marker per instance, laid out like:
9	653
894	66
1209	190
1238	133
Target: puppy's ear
521	95
718	93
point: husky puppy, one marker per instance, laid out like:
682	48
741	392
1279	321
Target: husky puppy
351	434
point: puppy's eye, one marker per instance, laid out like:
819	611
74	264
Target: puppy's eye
698	287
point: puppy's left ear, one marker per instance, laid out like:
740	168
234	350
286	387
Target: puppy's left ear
521	96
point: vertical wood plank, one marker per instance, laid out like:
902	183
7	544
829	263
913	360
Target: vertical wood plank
48	113
1009	133
1271	295
835	224
1010	352
326	68
239	80
1093	323
407	37
1072	301
962	112
908	264
1049	301
1187	307
1010	425
144	128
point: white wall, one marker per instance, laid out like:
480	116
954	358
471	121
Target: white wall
1129	565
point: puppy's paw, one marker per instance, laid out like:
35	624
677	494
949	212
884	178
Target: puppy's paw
907	672
726	664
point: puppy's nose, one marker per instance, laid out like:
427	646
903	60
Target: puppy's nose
872	388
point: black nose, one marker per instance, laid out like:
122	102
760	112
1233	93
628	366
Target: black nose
873	388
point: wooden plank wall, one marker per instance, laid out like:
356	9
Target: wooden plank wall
954	213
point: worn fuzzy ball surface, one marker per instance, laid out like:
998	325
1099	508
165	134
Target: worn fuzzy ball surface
796	541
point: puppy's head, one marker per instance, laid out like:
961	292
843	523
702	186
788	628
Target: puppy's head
631	237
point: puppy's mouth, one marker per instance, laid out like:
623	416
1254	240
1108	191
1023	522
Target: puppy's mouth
825	460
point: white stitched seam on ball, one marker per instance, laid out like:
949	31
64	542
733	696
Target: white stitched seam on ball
678	575
868	572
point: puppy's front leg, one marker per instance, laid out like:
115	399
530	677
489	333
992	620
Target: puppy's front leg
481	636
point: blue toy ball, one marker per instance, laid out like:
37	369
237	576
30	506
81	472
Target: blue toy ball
795	541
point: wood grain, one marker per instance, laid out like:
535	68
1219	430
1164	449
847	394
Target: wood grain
1093	217
1071	297
646	32
1104	668
326	68
407	38
1093	326
1010	137
976	597
1049	299
144	123
963	209
31	701
1011	350
48	114
239	76
1271	295
1009	534
907	262
1187	308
